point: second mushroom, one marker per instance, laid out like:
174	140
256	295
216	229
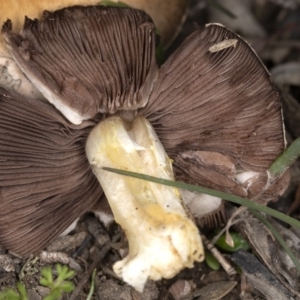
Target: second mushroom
210	116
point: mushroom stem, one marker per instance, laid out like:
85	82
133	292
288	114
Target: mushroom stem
161	235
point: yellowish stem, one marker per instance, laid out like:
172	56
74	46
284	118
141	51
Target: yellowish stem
162	238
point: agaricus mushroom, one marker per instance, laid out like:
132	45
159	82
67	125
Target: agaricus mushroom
211	107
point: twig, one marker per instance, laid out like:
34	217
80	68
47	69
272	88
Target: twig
93	266
221	259
78	251
230	223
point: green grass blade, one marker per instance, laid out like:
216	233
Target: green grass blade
235	199
285	159
91	292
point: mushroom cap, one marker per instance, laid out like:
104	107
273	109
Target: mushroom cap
82	73
46	180
216	111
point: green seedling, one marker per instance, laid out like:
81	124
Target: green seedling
211	261
10	294
238	241
59	285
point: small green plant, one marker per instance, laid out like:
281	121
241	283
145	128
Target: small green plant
60	284
238	241
10	294
211	261
57	286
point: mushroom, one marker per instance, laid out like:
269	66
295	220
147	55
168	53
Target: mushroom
210	112
167	16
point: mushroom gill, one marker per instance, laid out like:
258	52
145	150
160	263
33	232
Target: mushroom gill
100	67
212	106
167	15
46	182
10	75
218	114
167	18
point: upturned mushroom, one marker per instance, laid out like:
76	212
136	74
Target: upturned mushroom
210	113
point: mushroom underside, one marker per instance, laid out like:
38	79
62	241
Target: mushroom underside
112	69
211	108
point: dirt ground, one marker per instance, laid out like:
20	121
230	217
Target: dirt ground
273	30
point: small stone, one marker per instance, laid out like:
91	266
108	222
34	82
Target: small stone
67	243
110	290
6	263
